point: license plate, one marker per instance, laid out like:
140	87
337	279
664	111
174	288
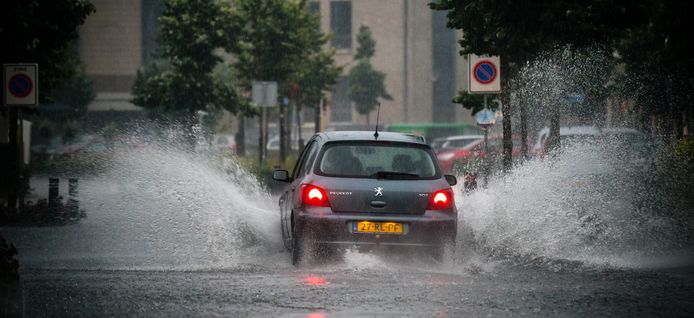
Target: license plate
378	227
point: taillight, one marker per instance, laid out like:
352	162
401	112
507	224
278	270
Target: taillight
442	199
313	195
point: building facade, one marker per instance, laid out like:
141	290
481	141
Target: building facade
115	42
415	50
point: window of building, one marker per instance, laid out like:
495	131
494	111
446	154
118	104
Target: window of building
341	24
314	7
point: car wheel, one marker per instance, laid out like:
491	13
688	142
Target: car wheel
300	251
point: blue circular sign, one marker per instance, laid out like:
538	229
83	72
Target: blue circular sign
484	72
20	85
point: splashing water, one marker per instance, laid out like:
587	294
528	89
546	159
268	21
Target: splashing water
161	207
593	204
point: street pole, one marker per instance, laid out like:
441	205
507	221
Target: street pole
486	148
299	140
317	116
283	133
13	160
261	140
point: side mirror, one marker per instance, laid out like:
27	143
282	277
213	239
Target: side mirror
451	179
281	175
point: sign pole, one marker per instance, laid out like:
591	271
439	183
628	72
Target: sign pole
486	148
283	132
264	95
20	89
264	127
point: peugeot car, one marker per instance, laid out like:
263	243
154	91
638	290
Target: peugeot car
366	190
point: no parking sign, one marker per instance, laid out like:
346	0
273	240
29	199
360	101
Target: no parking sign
484	74
21	84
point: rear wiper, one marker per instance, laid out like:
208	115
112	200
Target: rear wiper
394	175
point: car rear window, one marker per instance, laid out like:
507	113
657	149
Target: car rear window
374	159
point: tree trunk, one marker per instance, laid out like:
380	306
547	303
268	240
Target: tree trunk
523	129
553	141
299	138
241	136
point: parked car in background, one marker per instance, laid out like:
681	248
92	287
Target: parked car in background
469	155
568	136
629	143
454	142
224	143
618	140
273	144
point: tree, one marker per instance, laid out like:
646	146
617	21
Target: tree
659	66
43	32
181	80
518	31
366	85
280	40
273	39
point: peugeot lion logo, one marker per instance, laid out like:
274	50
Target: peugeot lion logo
379	192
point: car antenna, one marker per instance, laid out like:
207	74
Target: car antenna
378	113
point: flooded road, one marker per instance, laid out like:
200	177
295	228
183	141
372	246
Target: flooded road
259	291
170	234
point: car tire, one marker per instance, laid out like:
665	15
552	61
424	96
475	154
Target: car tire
300	252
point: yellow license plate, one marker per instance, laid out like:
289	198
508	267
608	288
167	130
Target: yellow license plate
378	227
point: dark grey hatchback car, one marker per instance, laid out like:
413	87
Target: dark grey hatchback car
355	189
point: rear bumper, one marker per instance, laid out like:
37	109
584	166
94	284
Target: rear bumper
434	228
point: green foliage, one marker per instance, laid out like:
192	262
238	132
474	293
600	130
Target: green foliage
226	91
647	39
659	67
76	90
367	45
180	81
110	131
318	73
44	32
518	30
473	102
365	84
671	182
280	40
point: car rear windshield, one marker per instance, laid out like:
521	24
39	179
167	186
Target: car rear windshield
378	160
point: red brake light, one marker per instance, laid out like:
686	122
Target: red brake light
442	199
313	195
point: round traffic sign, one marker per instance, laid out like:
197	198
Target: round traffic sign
20	85
484	72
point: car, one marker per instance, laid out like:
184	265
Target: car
351	188
224	143
273	143
569	135
475	150
454	142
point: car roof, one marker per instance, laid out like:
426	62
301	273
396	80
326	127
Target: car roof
574	130
461	137
621	130
369	135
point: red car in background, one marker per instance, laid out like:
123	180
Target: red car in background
476	150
